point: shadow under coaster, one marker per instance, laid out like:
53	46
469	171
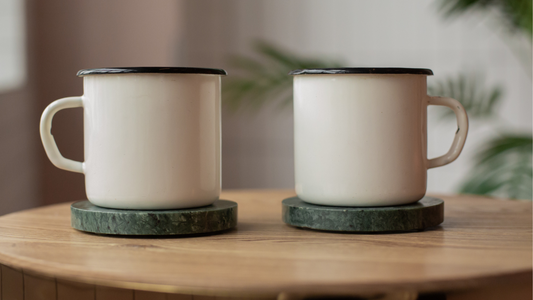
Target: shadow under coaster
426	213
219	216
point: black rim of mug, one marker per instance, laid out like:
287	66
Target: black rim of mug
155	70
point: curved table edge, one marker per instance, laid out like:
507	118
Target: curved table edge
445	285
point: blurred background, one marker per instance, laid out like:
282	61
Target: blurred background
480	52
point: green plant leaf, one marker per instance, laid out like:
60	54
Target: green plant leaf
516	14
264	78
503	168
478	100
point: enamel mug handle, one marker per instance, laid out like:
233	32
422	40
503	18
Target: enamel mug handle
47	138
460	135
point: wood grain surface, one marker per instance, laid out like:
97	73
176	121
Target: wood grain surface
483	242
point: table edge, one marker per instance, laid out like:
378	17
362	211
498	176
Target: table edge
444	285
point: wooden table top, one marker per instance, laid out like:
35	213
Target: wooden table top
482	241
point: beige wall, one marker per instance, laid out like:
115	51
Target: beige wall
257	147
19	184
19	142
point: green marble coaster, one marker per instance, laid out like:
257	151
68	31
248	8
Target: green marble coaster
219	216
426	213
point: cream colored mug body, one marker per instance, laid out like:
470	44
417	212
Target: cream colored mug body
361	135
152	137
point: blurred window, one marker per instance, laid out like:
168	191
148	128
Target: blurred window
12	45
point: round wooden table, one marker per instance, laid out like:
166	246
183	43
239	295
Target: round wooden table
483	246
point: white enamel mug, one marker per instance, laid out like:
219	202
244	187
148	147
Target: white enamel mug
152	137
361	135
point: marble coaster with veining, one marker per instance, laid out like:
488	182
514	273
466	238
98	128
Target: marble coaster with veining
219	216
426	213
